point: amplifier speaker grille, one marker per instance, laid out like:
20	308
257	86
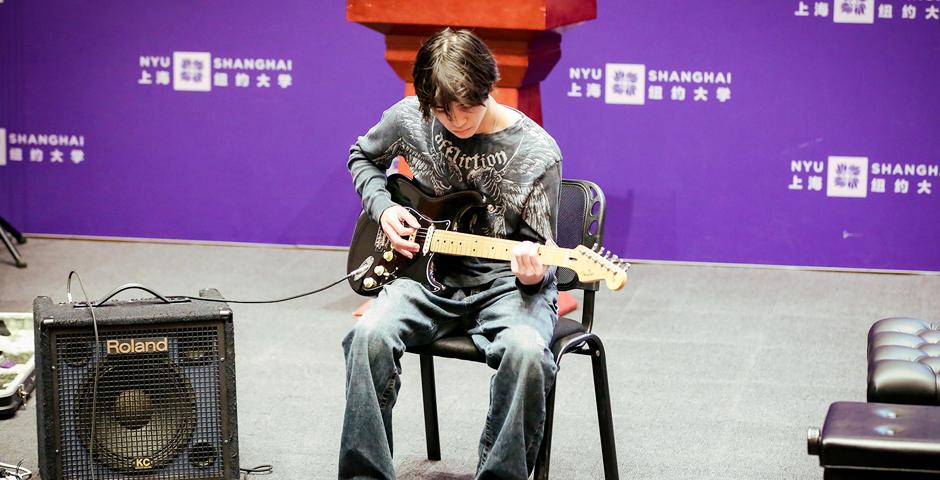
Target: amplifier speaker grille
155	411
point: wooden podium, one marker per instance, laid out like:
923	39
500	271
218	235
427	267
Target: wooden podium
522	34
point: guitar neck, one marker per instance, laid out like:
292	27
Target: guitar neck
467	245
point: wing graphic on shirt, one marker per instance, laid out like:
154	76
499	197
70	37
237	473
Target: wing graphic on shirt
489	182
431	171
384	159
532	158
517	187
531	200
537	212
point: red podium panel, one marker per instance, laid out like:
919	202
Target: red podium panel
494	14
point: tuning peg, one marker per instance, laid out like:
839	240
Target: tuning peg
607	255
614	259
601	251
594	248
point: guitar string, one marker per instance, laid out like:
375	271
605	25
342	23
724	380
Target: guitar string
420	236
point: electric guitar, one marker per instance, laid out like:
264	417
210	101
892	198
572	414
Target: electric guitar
371	252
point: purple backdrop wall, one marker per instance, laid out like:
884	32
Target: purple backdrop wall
787	132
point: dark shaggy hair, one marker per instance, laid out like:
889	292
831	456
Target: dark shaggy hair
453	66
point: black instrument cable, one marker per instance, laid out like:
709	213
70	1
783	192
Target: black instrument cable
259	470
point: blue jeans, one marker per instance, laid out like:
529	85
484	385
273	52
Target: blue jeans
512	328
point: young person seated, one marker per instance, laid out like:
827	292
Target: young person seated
456	137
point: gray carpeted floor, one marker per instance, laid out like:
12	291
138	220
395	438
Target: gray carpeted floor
715	372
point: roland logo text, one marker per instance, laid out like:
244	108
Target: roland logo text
133	345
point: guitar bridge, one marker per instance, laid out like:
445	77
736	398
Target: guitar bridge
381	241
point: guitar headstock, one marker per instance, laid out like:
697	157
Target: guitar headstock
592	266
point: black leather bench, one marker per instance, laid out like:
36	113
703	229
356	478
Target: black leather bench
878	441
897	434
903	361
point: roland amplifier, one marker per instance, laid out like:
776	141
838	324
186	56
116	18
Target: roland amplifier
154	398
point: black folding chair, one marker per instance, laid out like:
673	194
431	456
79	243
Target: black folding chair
580	222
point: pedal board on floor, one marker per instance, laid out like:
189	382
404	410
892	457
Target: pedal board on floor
17	361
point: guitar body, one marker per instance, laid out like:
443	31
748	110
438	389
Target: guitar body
371	247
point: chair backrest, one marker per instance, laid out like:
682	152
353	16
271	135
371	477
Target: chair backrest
581	209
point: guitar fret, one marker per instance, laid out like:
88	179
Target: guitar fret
471	248
468	245
456	243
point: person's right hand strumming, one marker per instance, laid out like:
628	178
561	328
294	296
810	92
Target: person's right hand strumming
398	223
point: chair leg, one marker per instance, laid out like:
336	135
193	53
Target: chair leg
544	457
605	418
429	391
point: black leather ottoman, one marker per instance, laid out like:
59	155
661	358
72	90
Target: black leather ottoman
903	361
878	441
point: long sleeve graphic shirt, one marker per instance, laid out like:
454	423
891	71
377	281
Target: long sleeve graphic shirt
517	170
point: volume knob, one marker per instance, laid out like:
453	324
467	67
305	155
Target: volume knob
369	282
379	270
388	255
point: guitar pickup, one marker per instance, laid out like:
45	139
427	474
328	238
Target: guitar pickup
427	240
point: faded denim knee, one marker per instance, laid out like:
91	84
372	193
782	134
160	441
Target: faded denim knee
525	352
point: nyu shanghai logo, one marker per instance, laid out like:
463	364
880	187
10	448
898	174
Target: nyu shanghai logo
857	177
35	148
854	11
192	71
847	177
625	84
637	84
201	72
865	11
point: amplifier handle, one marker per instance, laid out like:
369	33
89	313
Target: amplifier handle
129	286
